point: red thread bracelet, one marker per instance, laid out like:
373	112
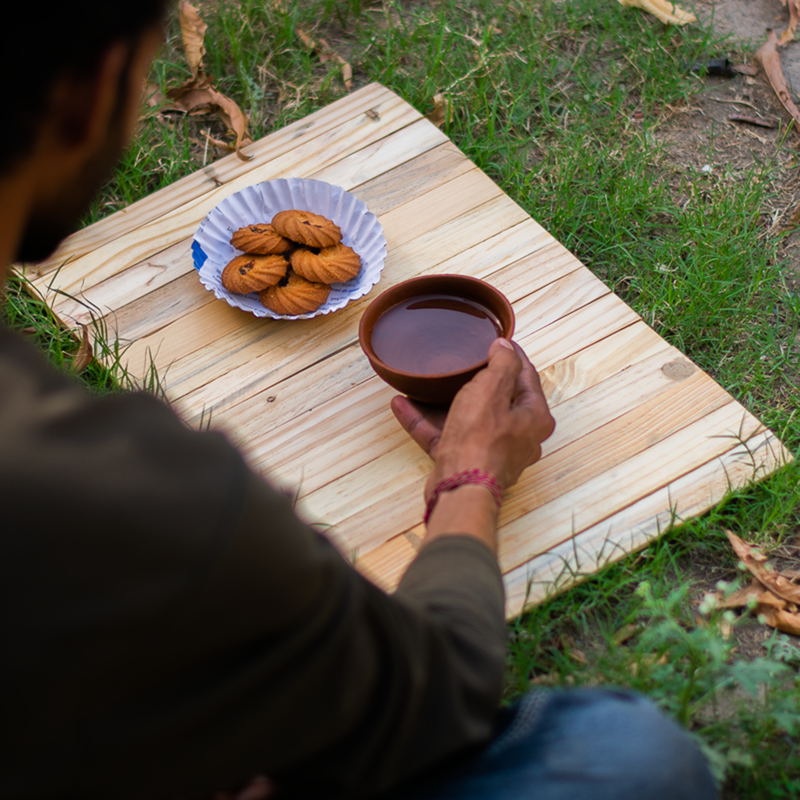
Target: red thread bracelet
478	477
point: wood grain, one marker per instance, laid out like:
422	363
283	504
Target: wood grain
255	368
206	343
549	490
374	98
152	238
634	526
145	296
356	423
642	434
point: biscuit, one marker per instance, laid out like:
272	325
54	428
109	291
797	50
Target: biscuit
252	273
260	238
335	264
306	228
295	295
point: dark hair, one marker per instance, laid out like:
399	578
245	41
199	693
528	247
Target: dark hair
41	41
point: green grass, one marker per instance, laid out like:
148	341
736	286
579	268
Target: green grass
543	97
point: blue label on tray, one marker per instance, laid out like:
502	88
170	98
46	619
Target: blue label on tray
199	255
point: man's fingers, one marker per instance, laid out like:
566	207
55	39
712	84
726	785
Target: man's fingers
503	356
422	428
529	394
529	387
504	366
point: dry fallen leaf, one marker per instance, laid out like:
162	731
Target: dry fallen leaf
152	95
777	618
768	598
774	581
347	76
84	356
624	633
193	31
769	59
306	39
152	98
771	595
667	12
745	69
440	110
204	99
762	123
566	644
198	95
226	146
576	654
327	53
741	597
794	17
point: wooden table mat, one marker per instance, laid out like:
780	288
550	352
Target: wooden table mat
643	437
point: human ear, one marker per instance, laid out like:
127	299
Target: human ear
83	103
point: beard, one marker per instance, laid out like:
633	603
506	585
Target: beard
52	219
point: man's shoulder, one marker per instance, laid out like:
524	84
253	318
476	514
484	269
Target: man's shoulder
123	456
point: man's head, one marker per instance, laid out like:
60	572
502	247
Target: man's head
75	71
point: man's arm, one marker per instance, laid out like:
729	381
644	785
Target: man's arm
178	626
496	424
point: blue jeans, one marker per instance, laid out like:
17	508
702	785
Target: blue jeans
581	744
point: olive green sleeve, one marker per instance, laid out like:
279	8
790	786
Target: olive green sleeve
172	628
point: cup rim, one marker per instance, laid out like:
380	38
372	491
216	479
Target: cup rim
366	343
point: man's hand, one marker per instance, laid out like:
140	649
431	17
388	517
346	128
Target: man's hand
497	422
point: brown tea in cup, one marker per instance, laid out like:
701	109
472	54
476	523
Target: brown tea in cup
428	336
434	334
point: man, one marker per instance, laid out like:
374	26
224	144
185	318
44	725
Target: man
171	628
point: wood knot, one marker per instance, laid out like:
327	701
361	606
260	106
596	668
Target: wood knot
678	370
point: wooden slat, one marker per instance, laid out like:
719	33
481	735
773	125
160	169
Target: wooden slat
254	421
224	170
590	366
204	344
648	469
632	388
357	426
639	428
386	564
255	369
412	177
394	557
141	283
609	367
558	341
348	502
624	532
636	525
578	330
148	240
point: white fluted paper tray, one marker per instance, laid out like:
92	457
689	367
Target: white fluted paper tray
212	250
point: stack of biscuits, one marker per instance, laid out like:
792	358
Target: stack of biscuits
291	262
